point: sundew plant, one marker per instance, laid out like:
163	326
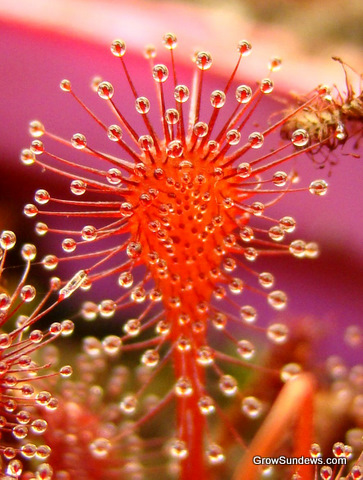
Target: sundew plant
167	216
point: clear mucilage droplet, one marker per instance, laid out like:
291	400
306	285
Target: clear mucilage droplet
118	48
300	138
79	141
183	387
243	94
244	48
318	187
206	405
181	93
178	449
256	140
36	129
7	239
251	407
266	86
277	299
217	99
114	133
171	116
203	60
233	137
100	448
275	64
160	73
170	41
142	105
105	90
215	454
78	187
200	129
65	85
228	385
28	252
245	349
27	157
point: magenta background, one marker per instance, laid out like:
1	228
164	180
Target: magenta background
32	63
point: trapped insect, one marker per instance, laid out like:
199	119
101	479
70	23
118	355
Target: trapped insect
330	119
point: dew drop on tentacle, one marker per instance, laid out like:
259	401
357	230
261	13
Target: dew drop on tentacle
206	405
5	302
171	116
27	293
27	157
170	41
65	85
41	228
28	252
36	129
297	248
160	73
181	93
244	48
30	210
266	279
215	454
42	197
228	385
89	233
37	147
217	98
300	138
118	48
256	140
280	178
200	129
146	142
100	448
233	137
178	449
252	407
266	86
114	133
128	405
79	141
78	187
288	224
50	262
277	299
203	60
114	176
275	64
183	387
105	90
246	349
244	170
243	94
290	371
277	333
7	239
318	187
150	358
112	345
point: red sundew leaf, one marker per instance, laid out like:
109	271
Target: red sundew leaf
177	202
107	308
23	397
